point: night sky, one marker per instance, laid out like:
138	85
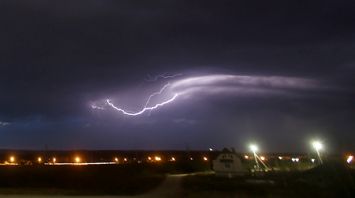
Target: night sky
278	73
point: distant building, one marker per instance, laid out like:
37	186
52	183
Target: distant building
228	164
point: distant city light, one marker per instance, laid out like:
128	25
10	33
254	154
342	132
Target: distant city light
157	158
259	159
349	159
77	159
81	163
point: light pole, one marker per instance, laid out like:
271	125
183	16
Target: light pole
317	145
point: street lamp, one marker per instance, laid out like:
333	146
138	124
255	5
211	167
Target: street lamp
253	148
77	159
349	159
318	146
12	159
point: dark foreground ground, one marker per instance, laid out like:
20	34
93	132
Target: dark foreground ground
74	180
123	179
329	180
158	180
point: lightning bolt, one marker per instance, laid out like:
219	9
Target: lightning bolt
165	76
144	109
156	93
219	84
93	106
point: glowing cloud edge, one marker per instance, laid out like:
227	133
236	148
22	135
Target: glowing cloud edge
217	84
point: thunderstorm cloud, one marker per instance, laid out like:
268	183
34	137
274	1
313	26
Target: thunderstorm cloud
278	71
222	85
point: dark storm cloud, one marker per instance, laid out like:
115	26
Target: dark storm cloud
57	57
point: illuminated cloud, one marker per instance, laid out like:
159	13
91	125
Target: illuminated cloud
3	124
218	84
162	76
184	121
236	84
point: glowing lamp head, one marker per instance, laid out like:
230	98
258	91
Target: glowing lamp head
317	145
77	159
349	159
54	159
116	159
253	148
12	159
39	159
205	158
157	158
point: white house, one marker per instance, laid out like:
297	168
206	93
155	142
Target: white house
228	164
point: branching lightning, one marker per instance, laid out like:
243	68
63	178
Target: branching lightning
164	76
220	84
156	93
144	109
94	106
